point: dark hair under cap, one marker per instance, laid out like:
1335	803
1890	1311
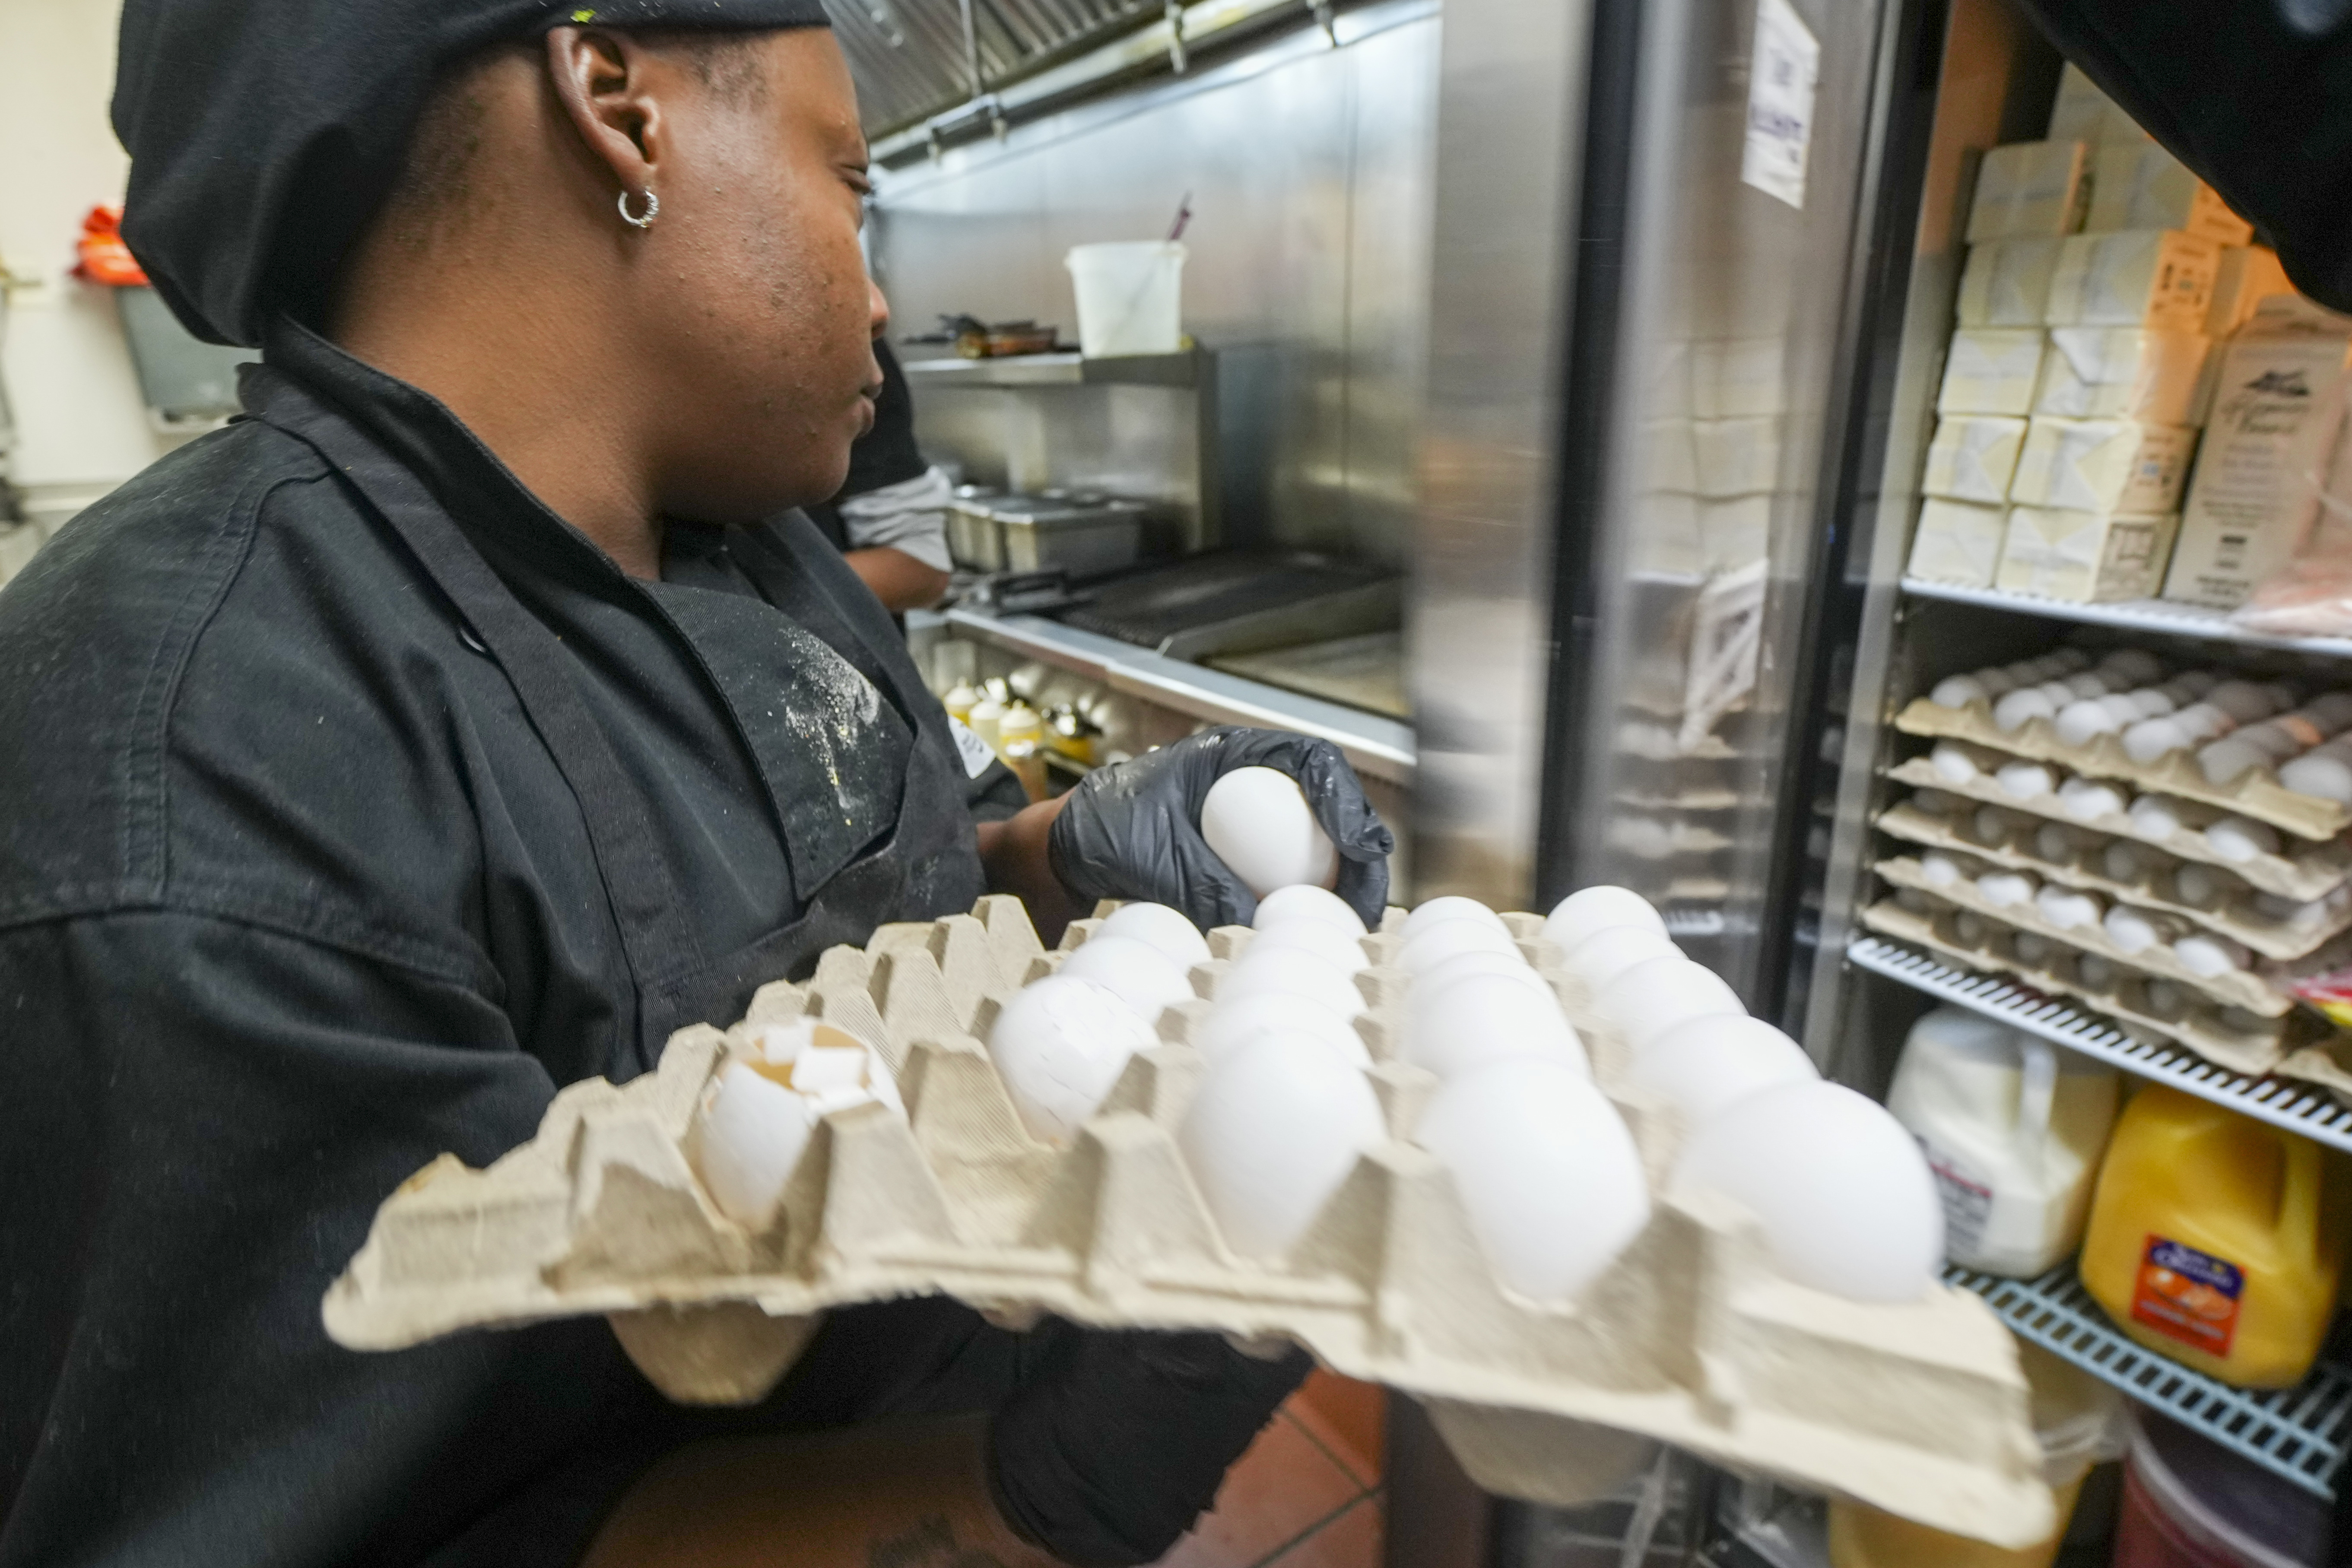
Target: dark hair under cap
263	135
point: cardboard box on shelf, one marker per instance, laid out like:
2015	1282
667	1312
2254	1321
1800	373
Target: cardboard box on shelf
2103	465
2028	190
2085	557
1956	542
2160	278
2121	373
1991	370
2007	283
1736	457
2246	512
2084	113
2143	187
2246	276
1973	458
1736	378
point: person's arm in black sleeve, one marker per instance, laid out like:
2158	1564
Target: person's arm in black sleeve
2255	97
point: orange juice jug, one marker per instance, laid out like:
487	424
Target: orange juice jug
2215	1239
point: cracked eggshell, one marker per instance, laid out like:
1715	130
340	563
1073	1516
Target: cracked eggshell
1177	938
1141	975
1548	1172
1839	1187
1061	1045
748	1134
1272	1131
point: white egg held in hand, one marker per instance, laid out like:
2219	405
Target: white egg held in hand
1657	994
1547	1174
1272	1132
1258	821
1231	1026
1839	1187
1484	1018
1291	972
1061	1045
1433	945
1164	929
1589	911
1139	974
1706	1066
1302	902
1327	942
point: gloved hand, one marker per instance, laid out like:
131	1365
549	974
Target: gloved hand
1116	1442
1132	830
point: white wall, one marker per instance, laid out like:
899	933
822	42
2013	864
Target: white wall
81	423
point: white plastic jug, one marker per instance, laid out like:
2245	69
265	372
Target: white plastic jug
1131	297
2012	1128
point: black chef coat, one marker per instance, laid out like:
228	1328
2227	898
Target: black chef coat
351	802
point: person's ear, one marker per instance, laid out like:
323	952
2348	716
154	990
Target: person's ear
603	80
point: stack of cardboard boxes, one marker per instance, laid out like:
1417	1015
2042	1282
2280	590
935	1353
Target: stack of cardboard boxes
2100	274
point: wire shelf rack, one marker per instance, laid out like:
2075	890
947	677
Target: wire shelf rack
2161	616
2299	1433
2281	1101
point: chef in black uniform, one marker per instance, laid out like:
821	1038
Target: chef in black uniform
450	728
890	518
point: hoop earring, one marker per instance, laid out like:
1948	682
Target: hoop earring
653	210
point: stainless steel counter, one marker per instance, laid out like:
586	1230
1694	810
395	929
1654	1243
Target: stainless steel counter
1377	747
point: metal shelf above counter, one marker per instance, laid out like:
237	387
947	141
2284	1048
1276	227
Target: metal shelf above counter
1382	747
1185	370
2299	1433
2161	616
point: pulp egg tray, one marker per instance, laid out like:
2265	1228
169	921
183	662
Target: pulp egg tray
2307	947
2237	988
1691	1338
2255	793
2228	1040
2312	871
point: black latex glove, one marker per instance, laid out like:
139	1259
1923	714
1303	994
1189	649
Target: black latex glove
1132	830
1116	1442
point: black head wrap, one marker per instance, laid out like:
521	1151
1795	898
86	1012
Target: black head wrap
2255	95
263	134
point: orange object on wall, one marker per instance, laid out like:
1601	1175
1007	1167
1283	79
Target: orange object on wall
104	258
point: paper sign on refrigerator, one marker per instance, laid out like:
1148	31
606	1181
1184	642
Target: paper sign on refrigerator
1781	102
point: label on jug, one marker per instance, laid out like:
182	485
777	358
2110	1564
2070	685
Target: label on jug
2188	1294
1967	1194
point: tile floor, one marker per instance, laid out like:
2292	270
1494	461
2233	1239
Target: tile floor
1308	1493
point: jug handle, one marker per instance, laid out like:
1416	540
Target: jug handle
2037	1089
2300	1191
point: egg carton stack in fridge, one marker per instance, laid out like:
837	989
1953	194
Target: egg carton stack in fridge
1691	1337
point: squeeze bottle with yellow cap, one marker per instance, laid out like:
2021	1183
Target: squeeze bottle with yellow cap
2216	1239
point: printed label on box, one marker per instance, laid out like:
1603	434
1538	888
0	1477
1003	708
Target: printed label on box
2188	1294
1967	1194
1780	86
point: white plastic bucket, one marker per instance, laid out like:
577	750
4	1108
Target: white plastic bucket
1131	297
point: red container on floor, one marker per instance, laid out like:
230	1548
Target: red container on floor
2190	1503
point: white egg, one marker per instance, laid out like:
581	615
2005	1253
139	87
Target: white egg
1061	1045
1230	1026
1272	1131
1164	929
1302	902
1141	975
1840	1189
1657	994
1433	945
1708	1064
1258	822
748	1134
1481	1018
1462	965
1589	911
1603	957
1549	1178
1453	907
1325	941
1291	972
